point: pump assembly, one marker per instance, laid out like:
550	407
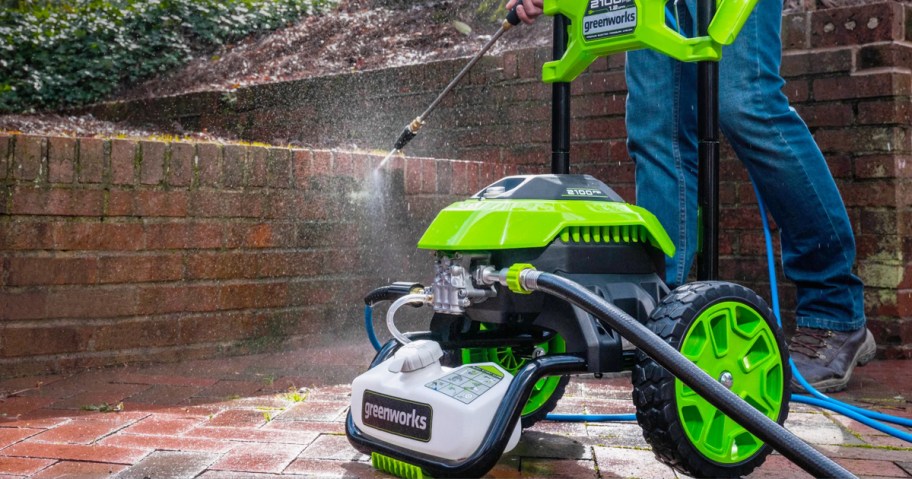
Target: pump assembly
537	277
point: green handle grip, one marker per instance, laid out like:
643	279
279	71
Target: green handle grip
729	19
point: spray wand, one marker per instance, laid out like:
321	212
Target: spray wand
411	131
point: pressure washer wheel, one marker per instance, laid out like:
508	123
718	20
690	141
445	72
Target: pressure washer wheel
547	391
729	332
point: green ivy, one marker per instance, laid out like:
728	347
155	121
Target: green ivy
60	53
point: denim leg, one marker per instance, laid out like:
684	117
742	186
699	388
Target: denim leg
818	246
660	109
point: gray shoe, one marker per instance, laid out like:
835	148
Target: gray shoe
826	359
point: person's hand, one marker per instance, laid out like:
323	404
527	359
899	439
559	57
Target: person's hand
528	11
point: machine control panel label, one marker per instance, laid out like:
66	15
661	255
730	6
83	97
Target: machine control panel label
467	383
397	416
609	18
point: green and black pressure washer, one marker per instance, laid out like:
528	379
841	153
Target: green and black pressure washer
542	276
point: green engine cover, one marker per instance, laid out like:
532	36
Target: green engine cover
498	224
603	27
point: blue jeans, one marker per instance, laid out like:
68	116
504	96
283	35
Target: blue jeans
773	143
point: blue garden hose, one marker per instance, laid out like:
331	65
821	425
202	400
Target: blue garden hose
868	418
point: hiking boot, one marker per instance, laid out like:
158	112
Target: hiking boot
826	358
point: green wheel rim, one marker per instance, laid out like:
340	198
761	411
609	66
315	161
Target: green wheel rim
506	358
730	340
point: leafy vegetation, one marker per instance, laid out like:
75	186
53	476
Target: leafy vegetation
59	53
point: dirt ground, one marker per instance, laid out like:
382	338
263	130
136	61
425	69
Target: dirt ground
357	35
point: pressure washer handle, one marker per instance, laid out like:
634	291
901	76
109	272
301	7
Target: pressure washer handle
512	16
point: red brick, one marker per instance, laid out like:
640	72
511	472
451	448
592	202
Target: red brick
120	203
141	333
242	204
92	302
884	112
32	341
222	265
332	448
797	91
180	166
123	162
826	114
279	168
162	426
856	25
237	418
22	466
803	62
98	236
303	168
77	432
412	176
167	443
428	175
862	139
322	162
234	163
226	326
6	151
257	158
607	82
140	269
884	56
253	295
78	452
795	31
92	160
23	305
259	235
862	86
30	156
876	166
71	469
162	203
342	164
324	468
258	458
10	435
204	235
167	235
209	156
152	164
177	299
61	160
31	271
57	202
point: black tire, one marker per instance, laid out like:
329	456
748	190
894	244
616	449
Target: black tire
655	392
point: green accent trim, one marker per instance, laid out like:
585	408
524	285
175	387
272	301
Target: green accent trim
637	24
396	467
505	357
730	337
484	225
513	278
492	370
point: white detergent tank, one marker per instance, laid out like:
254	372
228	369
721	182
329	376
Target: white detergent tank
410	400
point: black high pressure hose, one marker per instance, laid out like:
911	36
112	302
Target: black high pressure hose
718	395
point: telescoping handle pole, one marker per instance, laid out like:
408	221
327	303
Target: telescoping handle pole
560	106
708	151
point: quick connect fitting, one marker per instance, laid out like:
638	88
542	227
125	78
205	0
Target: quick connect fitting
518	277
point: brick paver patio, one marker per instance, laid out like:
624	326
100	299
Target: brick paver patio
245	418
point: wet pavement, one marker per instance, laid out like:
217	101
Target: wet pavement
248	417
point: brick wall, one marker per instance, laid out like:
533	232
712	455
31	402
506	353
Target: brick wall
848	72
119	251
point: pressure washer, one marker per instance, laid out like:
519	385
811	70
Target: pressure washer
538	277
